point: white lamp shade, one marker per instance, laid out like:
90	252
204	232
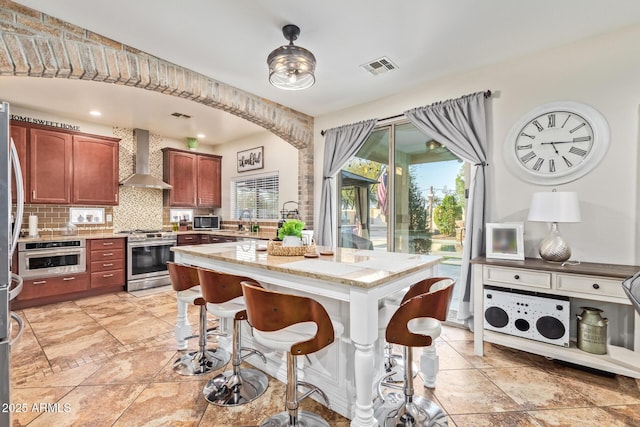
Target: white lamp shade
555	206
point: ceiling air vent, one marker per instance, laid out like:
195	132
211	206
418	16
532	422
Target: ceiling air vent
379	66
180	115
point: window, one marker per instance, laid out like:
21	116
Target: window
257	194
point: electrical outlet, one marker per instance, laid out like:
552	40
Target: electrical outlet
109	217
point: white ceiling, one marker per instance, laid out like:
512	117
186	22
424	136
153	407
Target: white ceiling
230	40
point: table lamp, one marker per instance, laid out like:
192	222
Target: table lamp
554	207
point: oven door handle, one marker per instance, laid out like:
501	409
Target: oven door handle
56	252
156	243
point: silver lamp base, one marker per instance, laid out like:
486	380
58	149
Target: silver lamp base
554	248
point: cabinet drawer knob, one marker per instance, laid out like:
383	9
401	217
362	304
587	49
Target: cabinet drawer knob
517	277
107	264
40	282
107	244
68	278
109	254
596	286
107	275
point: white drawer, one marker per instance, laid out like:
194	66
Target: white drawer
590	285
511	276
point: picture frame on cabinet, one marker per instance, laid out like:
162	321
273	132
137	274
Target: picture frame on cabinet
251	159
505	240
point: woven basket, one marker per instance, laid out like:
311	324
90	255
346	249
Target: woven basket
276	248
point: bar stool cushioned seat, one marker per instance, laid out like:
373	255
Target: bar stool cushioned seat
186	283
223	294
299	326
416	323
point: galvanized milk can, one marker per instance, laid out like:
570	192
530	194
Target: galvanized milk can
592	331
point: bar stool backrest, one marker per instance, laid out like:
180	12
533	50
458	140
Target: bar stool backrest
431	284
434	304
270	311
218	288
182	277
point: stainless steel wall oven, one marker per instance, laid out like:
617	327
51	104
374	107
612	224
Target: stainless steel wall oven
45	259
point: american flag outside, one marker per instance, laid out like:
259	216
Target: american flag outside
382	190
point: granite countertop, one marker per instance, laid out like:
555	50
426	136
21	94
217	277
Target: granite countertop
261	235
353	267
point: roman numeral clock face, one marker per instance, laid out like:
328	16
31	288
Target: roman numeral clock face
557	143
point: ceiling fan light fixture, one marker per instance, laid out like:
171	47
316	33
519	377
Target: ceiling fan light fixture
291	67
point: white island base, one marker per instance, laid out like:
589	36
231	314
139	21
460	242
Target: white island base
350	285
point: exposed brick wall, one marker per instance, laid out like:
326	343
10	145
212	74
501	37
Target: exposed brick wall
38	45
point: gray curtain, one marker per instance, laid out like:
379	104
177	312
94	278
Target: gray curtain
340	144
461	126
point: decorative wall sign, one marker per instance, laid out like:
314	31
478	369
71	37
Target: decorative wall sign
44	122
251	159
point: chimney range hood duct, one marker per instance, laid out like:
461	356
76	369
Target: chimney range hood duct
141	177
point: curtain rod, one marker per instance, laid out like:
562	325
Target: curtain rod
487	94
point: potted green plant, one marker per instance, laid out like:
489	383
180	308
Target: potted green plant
291	232
192	143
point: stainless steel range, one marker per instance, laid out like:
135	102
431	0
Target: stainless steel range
147	254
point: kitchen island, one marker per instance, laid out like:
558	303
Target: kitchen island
350	284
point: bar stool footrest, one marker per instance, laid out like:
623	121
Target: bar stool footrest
199	363
230	389
305	419
419	412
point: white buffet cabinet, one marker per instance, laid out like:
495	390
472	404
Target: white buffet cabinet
586	284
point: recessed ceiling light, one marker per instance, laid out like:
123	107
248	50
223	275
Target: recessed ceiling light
95	113
201	135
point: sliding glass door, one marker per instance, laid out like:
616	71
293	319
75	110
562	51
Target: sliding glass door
416	205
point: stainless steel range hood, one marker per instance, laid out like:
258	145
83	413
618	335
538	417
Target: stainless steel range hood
141	177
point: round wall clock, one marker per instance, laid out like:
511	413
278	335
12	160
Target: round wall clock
556	143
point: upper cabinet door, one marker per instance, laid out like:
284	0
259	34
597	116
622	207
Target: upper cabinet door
209	182
180	171
50	166
95	171
19	136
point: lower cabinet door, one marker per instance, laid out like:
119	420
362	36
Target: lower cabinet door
107	278
50	286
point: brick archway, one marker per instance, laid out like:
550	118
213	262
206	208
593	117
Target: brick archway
35	44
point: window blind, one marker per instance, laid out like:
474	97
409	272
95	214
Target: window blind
257	194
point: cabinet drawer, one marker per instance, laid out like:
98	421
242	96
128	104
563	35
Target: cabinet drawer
511	276
109	254
49	286
204	239
590	285
104	265
188	239
100	244
107	278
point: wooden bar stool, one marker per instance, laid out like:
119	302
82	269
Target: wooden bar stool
299	326
223	294
185	281
416	323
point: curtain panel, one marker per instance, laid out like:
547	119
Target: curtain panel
340	145
461	126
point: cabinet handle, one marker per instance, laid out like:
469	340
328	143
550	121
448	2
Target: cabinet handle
516	277
107	244
109	254
107	275
68	278
33	194
40	282
109	264
116	197
596	286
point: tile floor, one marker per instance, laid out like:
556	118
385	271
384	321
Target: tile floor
106	361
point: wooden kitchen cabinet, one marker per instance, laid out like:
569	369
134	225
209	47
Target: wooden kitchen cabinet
19	136
50	156
188	239
90	155
63	167
195	177
47	287
107	262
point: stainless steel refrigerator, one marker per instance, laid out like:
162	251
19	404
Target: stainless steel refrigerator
10	283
